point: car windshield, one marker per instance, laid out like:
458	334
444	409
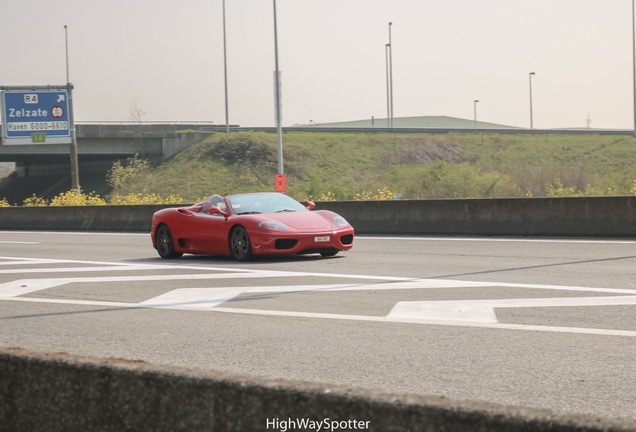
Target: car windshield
263	203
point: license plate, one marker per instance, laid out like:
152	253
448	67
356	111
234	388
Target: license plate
319	239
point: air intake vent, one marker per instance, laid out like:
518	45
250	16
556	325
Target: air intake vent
347	239
285	243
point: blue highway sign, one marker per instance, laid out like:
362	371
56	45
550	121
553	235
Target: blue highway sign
35	116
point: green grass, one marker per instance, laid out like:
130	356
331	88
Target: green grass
414	165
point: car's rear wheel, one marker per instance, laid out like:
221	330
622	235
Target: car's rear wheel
165	243
240	244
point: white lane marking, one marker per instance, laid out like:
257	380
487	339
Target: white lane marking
483	311
73	302
19	242
131	267
16	262
211	297
204	298
76	269
366	318
25	286
110	264
536	328
480	311
90	233
30	260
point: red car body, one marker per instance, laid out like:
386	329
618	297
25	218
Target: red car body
245	225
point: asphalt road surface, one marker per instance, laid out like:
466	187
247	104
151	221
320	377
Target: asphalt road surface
544	323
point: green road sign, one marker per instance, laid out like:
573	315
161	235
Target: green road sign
38	137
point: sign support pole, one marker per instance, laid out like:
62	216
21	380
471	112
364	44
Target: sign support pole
75	184
279	127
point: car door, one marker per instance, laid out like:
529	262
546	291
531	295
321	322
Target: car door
208	233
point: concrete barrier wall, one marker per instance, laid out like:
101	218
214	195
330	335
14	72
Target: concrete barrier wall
90	218
595	216
61	392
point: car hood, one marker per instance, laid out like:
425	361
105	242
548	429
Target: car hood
305	221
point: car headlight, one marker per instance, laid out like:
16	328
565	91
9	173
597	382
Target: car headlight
273	225
340	221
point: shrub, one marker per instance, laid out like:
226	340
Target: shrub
329	196
383	194
128	177
75	197
557	189
136	199
35	201
245	149
446	180
4	203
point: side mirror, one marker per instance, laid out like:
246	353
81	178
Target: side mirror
310	205
215	210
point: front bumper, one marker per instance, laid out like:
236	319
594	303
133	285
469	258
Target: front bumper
281	242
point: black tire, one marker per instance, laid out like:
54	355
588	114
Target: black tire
165	243
240	244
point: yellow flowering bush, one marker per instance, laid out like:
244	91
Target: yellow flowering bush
35	201
78	198
329	196
558	189
137	198
75	197
383	194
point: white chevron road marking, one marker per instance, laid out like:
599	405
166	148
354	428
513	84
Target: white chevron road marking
465	312
483	311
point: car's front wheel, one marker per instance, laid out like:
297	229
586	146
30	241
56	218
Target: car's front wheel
165	243
240	244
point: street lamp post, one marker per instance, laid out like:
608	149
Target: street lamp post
227	117
531	120
75	182
475	111
68	79
391	70
279	128
634	60
388	86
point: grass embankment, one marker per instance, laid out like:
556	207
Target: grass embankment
414	165
343	166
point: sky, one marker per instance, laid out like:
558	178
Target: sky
162	60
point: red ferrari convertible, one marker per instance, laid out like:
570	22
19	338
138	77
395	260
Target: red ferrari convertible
245	225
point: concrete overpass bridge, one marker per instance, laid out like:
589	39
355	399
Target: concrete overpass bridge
44	169
107	141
